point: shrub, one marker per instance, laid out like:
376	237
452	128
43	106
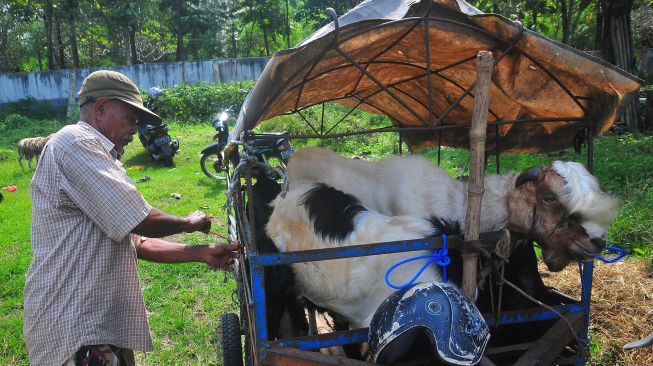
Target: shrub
33	108
199	102
16	127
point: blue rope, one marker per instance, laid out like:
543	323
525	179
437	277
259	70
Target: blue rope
621	251
439	257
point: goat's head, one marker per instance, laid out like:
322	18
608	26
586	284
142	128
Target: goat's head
562	207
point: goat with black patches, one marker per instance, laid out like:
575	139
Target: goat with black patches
316	216
29	148
286	316
560	206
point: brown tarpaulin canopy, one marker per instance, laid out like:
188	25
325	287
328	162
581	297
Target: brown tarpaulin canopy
381	59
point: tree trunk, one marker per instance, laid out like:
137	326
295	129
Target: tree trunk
48	17
132	43
234	50
39	55
648	109
73	8
265	40
287	25
616	46
180	53
564	12
60	45
125	44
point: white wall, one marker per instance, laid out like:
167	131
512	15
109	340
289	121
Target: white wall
53	86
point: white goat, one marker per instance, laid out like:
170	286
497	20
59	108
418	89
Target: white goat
317	216
560	206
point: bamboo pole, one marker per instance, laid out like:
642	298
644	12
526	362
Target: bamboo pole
475	186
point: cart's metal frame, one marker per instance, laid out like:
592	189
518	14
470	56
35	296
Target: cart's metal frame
294	351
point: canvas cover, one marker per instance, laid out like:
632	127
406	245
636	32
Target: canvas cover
380	59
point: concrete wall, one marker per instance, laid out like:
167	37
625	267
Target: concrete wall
54	86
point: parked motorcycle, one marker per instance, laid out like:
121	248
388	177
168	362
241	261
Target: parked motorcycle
211	160
155	139
262	146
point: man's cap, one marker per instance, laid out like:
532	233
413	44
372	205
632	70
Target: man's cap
114	85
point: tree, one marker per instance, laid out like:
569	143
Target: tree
48	20
313	11
614	40
72	9
268	17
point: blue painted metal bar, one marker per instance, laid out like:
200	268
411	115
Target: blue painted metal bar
273	259
360	335
323	340
532	315
260	312
587	272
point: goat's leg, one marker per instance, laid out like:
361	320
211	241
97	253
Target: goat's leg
29	162
20	160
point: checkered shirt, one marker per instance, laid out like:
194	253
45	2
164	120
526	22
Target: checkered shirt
82	286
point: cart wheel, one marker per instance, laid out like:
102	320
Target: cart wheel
249	359
232	351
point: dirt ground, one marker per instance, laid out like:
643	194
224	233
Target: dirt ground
621	308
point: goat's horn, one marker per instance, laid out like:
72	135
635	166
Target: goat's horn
645	342
529	175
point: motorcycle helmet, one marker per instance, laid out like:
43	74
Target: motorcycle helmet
454	327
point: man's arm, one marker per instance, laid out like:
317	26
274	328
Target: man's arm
161	251
158	224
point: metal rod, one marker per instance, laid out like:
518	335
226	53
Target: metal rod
427	49
424	128
260	310
324	340
380	84
590	148
250	209
533	315
587	270
322	120
343	118
453	242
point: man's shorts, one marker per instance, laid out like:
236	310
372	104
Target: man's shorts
101	355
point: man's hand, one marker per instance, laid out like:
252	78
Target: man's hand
198	221
222	256
158	224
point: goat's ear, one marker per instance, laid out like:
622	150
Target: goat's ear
529	175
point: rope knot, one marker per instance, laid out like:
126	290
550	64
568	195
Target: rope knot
439	257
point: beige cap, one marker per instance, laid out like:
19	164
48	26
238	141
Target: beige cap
114	85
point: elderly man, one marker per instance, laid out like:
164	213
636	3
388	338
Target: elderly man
83	303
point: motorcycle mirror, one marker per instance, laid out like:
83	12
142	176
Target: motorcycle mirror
154	92
224	115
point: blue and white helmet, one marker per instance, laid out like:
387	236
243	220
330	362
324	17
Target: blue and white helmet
455	328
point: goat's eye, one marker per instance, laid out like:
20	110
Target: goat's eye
549	198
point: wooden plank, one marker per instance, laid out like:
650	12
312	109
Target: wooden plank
511	348
486	362
548	348
295	357
475	189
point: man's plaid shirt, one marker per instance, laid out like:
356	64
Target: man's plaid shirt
82	287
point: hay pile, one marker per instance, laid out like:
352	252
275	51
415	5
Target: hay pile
621	308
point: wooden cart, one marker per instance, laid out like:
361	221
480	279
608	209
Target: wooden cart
432	66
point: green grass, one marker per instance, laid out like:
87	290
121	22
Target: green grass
185	301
